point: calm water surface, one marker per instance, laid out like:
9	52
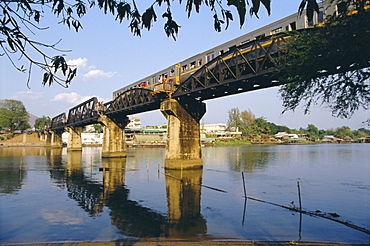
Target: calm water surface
49	195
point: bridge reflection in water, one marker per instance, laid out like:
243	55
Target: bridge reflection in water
183	191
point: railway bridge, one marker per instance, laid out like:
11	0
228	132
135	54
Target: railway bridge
250	66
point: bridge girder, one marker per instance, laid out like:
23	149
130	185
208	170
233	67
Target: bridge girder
134	101
244	68
84	113
58	122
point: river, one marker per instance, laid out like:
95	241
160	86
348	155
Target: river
49	195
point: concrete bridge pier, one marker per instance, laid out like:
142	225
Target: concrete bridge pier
42	136
74	139
47	138
183	149
114	143
56	139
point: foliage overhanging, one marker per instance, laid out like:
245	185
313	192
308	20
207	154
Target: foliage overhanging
329	65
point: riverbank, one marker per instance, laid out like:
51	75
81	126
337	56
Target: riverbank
145	242
33	140
23	140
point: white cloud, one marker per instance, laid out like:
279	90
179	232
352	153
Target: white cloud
28	95
81	63
73	98
57	216
98	74
88	72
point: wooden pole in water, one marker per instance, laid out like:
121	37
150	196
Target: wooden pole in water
245	190
299	195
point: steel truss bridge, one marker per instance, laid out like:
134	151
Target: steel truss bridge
250	66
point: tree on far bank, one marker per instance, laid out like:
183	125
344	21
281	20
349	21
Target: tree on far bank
343	131
234	121
41	122
247	123
312	131
97	127
13	115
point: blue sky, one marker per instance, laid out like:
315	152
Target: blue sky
110	57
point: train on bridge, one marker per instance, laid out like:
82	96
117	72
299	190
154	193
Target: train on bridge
168	79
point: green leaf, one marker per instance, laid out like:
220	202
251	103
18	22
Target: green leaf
302	6
241	7
45	79
255	7
147	18
171	28
228	16
36	16
267	4
123	11
189	6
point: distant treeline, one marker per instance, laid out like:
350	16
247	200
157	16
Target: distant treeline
250	126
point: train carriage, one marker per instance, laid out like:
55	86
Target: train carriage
168	79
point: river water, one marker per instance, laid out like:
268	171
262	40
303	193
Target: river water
49	195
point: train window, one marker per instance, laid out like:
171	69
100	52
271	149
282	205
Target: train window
199	62
172	73
221	52
184	68
210	56
162	78
292	26
192	65
276	30
232	47
143	84
341	8
320	17
153	80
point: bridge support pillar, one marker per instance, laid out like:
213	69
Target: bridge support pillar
56	139
114	143
47	137
42	136
183	149
74	139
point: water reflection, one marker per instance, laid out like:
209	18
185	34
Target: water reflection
183	188
248	160
131	197
11	178
22	151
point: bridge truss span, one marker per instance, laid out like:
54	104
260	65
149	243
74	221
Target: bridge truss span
58	122
83	114
134	101
244	68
